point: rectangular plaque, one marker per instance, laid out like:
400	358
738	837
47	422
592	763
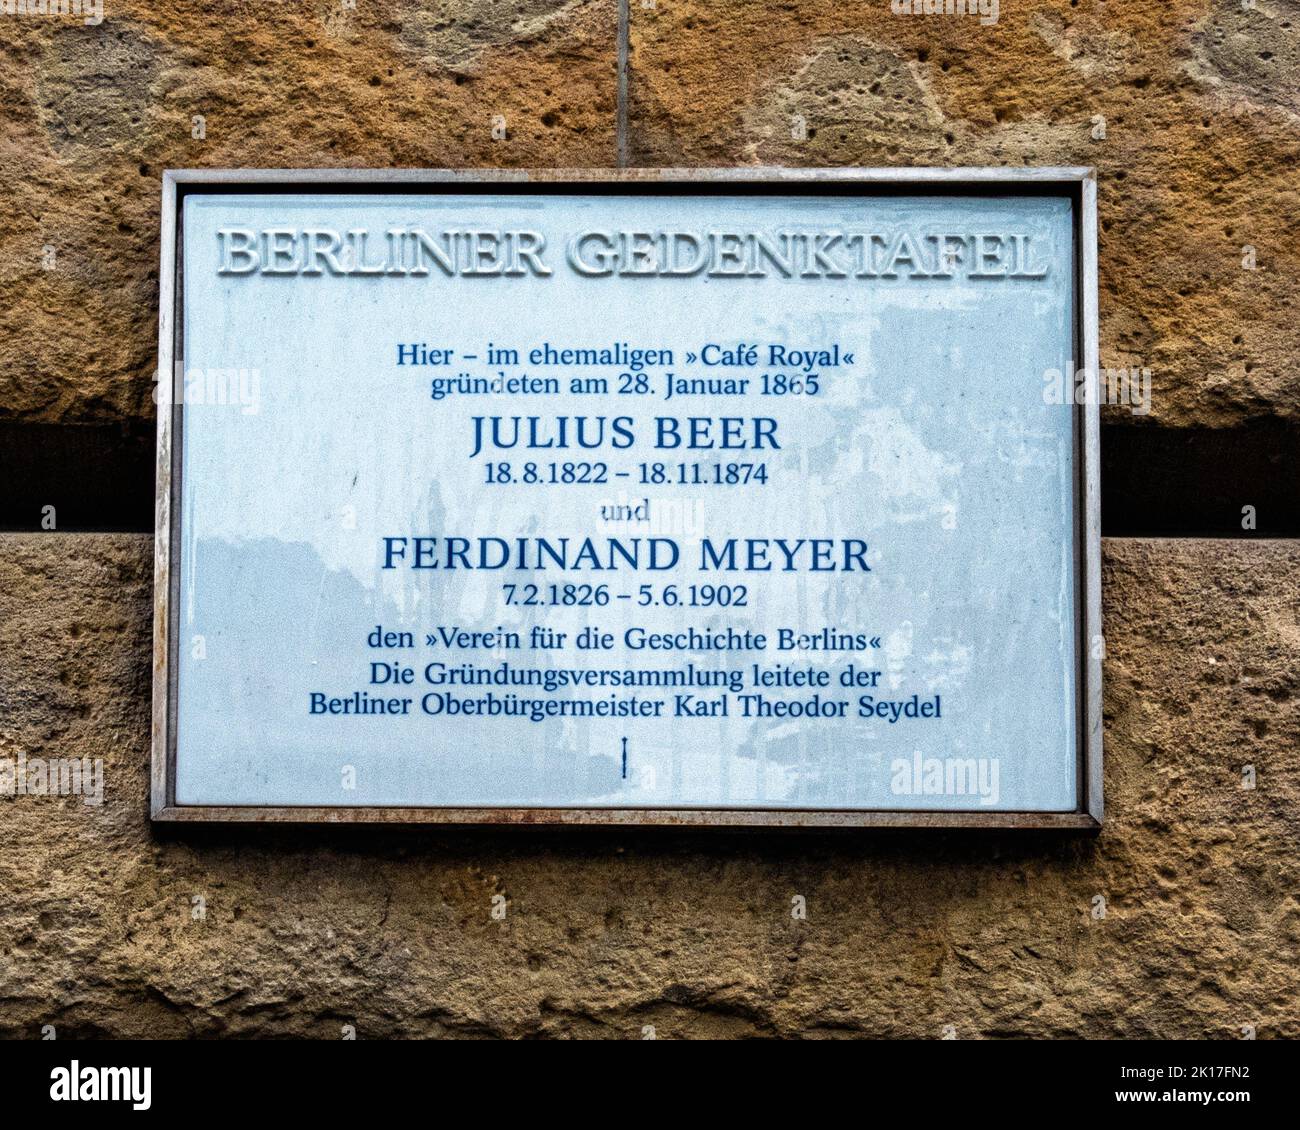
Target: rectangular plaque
751	497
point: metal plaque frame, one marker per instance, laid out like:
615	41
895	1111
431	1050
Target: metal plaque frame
1076	184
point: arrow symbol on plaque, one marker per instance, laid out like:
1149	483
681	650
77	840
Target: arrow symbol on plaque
625	759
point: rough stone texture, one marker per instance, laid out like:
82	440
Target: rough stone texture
91	116
390	930
1201	104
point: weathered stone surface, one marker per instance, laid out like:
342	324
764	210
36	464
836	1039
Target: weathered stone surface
390	930
1199	107
452	33
90	116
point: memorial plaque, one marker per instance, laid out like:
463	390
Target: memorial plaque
750	497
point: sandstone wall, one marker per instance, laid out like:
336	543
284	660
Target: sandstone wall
606	932
1200	101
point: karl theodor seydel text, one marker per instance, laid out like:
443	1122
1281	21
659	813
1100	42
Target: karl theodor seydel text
468	252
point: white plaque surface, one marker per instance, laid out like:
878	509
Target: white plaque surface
661	500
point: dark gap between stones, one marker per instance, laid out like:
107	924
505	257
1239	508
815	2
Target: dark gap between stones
1155	482
1196	482
98	477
